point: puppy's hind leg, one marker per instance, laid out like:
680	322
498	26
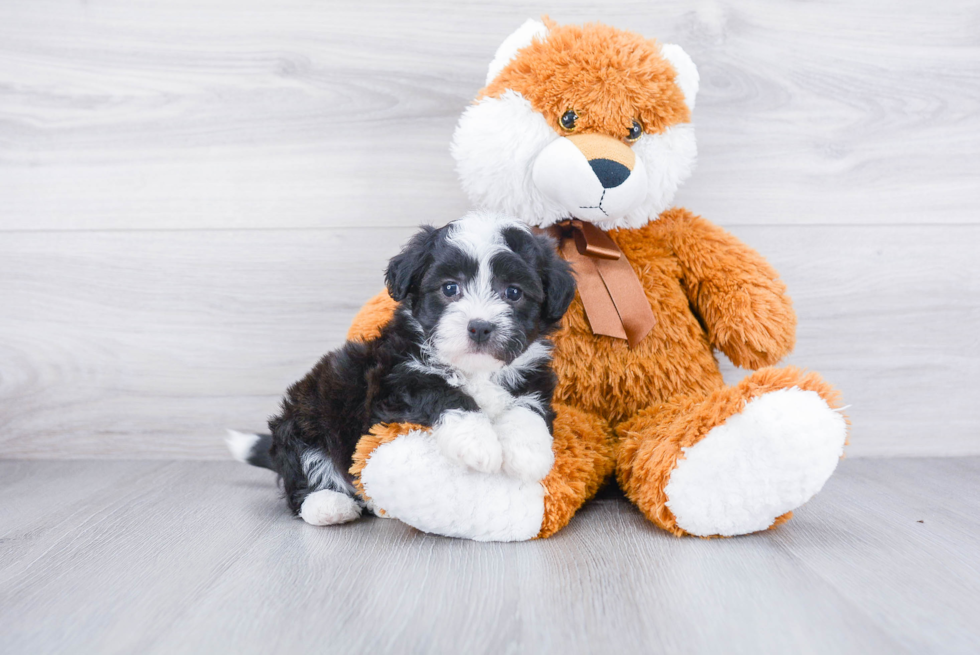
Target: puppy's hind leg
314	489
328	498
328	507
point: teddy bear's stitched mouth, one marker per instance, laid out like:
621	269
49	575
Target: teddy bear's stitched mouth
599	206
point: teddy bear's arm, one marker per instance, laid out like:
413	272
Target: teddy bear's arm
738	295
373	316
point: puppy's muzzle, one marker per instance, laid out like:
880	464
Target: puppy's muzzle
479	330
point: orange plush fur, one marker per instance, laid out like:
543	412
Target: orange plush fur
608	76
636	409
668	386
584	458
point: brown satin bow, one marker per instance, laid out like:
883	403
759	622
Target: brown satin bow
612	295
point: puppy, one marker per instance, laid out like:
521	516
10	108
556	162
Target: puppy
466	354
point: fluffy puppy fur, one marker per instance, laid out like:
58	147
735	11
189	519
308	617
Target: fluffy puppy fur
465	354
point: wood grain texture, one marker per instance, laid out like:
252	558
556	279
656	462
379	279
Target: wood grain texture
149	344
248	114
196	197
158	557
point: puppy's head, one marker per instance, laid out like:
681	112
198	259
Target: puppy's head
482	289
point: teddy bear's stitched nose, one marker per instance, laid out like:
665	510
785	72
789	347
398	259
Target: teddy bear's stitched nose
610	173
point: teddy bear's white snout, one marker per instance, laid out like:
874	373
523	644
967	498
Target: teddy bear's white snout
596	191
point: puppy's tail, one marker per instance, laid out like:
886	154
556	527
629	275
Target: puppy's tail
250	448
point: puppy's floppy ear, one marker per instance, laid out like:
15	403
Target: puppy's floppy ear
556	274
405	269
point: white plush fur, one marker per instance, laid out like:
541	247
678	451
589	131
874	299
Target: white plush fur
498	141
414	483
494	145
761	463
668	160
468	438
241	444
562	173
326	507
687	73
520	38
526	444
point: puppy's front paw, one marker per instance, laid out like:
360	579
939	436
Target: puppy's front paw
526	444
469	438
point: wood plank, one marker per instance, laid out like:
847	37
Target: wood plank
202	556
230	114
150	344
125	562
887	314
161	340
65	494
915	549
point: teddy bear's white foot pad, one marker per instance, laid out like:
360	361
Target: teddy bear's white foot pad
759	464
413	482
326	507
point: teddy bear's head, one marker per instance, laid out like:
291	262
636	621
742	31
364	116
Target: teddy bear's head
586	122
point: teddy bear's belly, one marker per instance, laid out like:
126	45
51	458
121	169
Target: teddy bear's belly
603	375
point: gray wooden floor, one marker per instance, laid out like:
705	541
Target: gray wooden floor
181	557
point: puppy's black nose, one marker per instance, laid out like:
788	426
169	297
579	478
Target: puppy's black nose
610	173
479	330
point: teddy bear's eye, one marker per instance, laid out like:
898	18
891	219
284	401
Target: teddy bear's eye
635	132
567	120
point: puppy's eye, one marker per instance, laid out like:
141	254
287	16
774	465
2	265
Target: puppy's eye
450	289
568	120
513	294
635	132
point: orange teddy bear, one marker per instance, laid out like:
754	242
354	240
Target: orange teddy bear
585	131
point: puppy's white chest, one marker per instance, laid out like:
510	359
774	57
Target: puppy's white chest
492	398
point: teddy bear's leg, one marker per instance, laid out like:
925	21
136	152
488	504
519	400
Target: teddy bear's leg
736	460
400	470
584	459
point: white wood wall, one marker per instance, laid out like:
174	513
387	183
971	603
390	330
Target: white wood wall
195	197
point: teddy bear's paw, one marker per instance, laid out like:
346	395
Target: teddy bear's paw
526	444
414	483
469	438
759	464
326	507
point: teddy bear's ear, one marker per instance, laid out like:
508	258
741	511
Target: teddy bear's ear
521	38
687	73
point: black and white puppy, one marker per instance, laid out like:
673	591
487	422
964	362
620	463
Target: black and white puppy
466	354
